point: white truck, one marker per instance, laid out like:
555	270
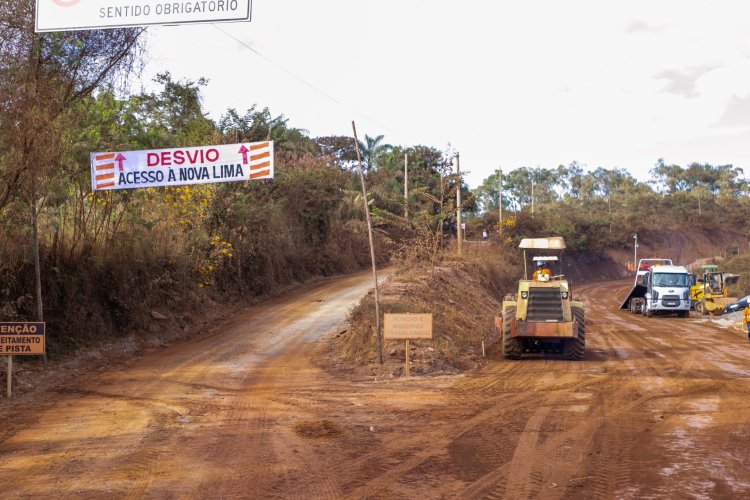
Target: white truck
660	288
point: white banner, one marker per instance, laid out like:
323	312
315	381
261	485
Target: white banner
71	15
177	167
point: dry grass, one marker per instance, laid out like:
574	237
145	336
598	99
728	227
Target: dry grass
463	297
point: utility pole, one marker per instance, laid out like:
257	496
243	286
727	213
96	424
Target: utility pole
635	253
459	232
500	197
406	187
532	198
372	245
37	263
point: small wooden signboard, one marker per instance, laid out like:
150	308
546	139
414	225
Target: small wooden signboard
21	338
407	327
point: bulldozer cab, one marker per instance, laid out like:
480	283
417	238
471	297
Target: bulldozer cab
542	247
715	282
711	292
545	268
542	294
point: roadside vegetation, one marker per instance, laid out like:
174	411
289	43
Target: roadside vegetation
114	263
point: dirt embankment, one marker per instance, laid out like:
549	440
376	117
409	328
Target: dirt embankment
683	246
465	295
462	295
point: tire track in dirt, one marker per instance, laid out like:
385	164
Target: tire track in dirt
682	368
620	470
628	397
488	415
620	401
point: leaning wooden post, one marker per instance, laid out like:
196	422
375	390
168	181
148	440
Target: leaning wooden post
406	187
459	229
372	244
500	198
37	264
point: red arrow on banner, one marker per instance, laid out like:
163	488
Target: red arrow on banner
119	159
243	151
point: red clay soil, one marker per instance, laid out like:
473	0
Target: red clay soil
659	407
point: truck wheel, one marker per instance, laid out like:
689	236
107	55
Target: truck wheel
574	348
511	346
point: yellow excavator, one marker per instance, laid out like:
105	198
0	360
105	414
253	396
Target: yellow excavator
710	294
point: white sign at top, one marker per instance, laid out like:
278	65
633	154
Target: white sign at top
70	15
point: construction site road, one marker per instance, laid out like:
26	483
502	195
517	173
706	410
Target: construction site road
659	407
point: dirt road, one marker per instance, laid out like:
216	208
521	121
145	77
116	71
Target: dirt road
660	407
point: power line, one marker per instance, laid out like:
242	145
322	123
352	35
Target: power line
302	80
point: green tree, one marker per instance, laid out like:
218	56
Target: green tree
371	150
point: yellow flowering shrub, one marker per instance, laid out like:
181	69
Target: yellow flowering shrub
219	253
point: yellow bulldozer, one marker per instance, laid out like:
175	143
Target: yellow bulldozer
710	294
542	316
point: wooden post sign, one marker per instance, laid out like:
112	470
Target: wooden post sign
407	327
20	339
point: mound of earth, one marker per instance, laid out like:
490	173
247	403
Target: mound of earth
463	299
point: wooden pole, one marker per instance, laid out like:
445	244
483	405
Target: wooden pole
500	197
406	371
406	186
37	263
459	232
372	244
10	375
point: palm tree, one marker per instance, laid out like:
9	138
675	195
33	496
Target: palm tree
371	150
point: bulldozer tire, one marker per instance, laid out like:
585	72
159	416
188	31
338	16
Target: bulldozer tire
574	348
700	306
511	346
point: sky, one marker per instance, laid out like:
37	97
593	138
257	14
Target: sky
506	84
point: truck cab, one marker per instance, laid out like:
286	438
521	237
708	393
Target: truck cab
661	287
667	290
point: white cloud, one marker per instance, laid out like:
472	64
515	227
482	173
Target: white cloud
737	113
